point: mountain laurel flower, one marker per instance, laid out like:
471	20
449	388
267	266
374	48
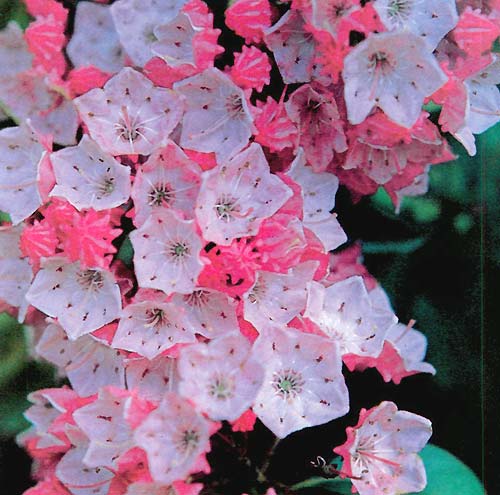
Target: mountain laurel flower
394	71
167	253
82	299
303	383
130	115
381	451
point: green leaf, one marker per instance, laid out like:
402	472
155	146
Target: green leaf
12	420
432	107
447	475
334	485
393	247
13	350
4	217
423	210
126	252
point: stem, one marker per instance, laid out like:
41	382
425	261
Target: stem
261	472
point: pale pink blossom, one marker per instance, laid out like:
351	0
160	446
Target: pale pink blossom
236	196
89	178
21	155
431	20
151	327
95	40
88	364
168	180
381	451
221	377
318	190
303	383
217	117
207	312
277	298
104	422
174	435
346	314
394	71
82	299
135	21
130	115
167	253
293	48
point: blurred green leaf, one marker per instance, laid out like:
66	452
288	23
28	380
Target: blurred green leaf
126	252
4	217
453	352
395	247
447	475
463	222
13	10
423	209
12	420
13	350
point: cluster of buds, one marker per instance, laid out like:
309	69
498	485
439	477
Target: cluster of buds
171	231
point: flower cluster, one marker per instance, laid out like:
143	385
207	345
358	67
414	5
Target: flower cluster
172	223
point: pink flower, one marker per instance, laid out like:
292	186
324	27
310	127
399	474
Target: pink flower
129	115
314	111
249	18
394	71
345	313
89	178
21	157
275	129
174	436
475	33
236	196
251	69
83	299
167	253
135	21
217	117
95	41
303	383
380	454
221	377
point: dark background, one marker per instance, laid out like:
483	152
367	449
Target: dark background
439	262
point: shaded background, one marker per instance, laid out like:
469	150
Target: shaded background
439	261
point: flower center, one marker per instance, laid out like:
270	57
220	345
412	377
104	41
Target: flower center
188	441
399	10
178	250
107	186
381	61
287	383
160	194
226	207
91	279
234	105
155	317
220	387
198	298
